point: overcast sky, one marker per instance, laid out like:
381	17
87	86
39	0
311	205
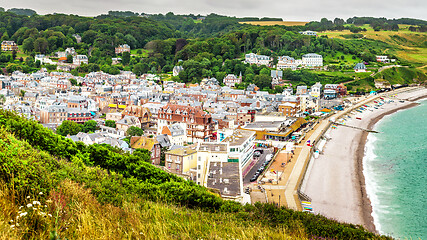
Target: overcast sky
302	10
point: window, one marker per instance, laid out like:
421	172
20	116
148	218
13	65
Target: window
169	165
177	167
199	167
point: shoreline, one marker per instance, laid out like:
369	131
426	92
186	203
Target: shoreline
366	211
335	179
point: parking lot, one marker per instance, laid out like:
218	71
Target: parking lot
258	164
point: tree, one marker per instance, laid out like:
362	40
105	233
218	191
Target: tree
134	131
28	45
68	128
40	45
110	123
89	126
262	81
73	81
69	58
125	58
2	99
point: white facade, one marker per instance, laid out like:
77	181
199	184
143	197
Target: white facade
241	146
253	58
312	60
79	59
206	153
316	90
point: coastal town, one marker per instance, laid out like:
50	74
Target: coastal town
246	145
201	120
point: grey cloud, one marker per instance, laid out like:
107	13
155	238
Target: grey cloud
303	10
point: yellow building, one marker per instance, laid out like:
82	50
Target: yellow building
181	160
9	46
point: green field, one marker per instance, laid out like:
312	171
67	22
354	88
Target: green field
408	46
144	52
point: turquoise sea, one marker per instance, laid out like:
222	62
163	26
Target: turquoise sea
395	169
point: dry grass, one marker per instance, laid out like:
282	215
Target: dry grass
272	23
410	52
83	217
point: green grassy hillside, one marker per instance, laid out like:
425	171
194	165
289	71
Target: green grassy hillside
50	186
402	75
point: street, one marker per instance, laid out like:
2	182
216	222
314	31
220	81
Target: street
251	173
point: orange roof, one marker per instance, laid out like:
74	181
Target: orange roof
62	58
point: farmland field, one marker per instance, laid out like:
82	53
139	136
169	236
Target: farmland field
272	23
407	46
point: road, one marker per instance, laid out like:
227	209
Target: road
251	173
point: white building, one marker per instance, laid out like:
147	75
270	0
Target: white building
43	59
176	134
240	146
312	60
309	33
259	60
360	67
286	62
316	90
209	152
79	59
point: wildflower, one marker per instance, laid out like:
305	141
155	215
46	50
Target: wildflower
36	202
40	193
23	214
12	226
17	224
20	207
29	205
28	197
50	215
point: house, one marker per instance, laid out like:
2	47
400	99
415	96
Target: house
142	113
383	59
181	160
87	138
43	59
286	62
78	115
312	60
164	141
127	122
176	134
115	61
197	123
309	33
231	80
176	70
122	48
259	60
316	90
77	37
301	90
289	109
360	67
54	114
77	102
150	144
329	93
116	143
9	46
79	59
